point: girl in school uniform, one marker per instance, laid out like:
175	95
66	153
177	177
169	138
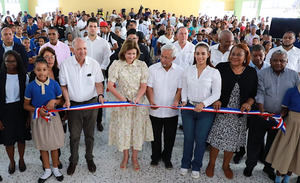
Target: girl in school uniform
45	93
284	154
13	80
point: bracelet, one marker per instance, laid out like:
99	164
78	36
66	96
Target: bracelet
101	95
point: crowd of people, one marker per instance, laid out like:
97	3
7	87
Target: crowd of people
150	57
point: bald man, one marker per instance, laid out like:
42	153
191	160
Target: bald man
220	52
8	44
81	82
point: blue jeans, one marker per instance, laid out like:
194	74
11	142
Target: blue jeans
196	126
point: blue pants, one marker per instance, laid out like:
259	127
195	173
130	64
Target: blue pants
196	126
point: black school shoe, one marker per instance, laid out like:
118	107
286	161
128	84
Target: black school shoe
44	180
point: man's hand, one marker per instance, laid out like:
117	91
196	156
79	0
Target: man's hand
261	108
67	104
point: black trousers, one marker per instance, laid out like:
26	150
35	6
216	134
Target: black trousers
100	111
258	127
169	125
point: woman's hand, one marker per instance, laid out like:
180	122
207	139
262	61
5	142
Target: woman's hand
123	99
136	100
246	107
51	104
217	105
199	107
43	112
153	106
1	126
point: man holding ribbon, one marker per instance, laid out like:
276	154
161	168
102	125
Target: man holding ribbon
164	89
81	82
273	82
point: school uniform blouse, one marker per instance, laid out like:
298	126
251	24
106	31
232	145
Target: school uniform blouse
206	88
247	82
12	88
41	93
291	99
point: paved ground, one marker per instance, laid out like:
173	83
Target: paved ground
107	159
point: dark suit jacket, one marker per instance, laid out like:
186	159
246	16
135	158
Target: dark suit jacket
18	48
258	32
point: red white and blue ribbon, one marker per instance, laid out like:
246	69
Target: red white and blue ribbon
280	123
36	114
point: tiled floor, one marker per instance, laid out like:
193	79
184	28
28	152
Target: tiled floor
107	159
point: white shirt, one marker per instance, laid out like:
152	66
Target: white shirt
81	24
249	38
173	21
80	81
12	88
164	84
99	50
265	65
179	24
185	56
206	88
164	40
293	57
216	56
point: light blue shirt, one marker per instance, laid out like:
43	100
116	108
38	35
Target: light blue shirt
7	48
265	65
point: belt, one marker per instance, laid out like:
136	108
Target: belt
84	102
194	103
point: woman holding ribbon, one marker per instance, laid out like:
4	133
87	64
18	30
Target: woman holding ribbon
41	95
201	88
239	87
129	126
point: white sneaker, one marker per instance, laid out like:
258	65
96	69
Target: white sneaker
195	174
183	171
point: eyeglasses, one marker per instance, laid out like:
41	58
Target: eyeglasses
48	57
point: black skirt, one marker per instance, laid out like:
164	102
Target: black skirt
14	122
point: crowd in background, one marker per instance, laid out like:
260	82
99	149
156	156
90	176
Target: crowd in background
197	61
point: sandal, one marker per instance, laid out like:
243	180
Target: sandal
136	166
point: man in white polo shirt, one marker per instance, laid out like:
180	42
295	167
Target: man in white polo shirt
220	52
293	52
185	49
164	88
98	49
81	82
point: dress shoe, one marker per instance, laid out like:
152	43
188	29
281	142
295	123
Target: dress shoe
298	180
91	166
22	166
12	168
1	179
237	158
154	163
248	172
168	165
100	126
270	173
71	169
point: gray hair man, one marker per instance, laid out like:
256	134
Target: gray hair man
220	52
81	82
273	82
164	89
